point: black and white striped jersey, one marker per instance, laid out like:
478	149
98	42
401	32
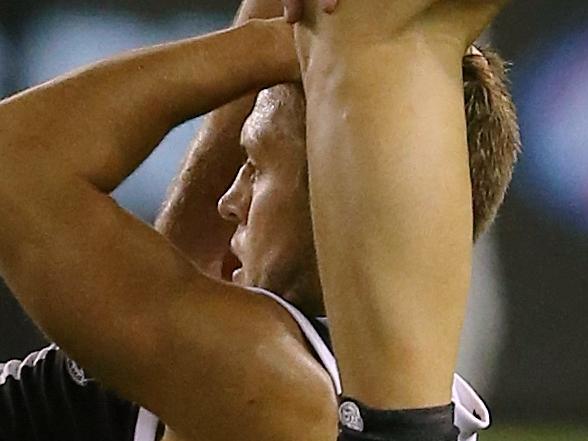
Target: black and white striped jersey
48	397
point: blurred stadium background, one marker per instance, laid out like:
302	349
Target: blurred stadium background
525	346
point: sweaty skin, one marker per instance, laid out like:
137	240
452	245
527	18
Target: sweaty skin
112	292
74	259
394	262
190	217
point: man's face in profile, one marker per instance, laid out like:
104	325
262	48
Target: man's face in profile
269	203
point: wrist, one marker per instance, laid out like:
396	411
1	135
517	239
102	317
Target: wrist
334	67
278	60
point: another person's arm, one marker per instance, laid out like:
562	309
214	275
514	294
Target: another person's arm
190	217
390	189
116	295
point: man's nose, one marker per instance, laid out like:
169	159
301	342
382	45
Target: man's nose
233	205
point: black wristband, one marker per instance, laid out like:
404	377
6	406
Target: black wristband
358	422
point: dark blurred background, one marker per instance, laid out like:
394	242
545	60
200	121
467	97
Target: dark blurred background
525	344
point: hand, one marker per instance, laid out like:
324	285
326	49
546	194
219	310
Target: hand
281	40
368	23
356	24
294	9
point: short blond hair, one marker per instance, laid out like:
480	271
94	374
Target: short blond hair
493	133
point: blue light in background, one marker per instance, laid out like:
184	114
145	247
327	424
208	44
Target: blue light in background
551	90
61	40
3	61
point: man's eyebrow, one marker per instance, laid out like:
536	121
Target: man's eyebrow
249	147
255	141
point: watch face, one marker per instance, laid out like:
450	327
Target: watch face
350	416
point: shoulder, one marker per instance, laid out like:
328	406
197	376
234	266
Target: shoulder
247	362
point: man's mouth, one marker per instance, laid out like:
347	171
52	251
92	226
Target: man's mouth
231	265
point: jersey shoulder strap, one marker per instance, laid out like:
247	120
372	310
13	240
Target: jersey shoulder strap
314	339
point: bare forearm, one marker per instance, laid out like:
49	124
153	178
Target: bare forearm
395	159
103	121
393	249
189	217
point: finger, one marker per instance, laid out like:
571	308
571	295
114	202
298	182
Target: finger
293	10
329	6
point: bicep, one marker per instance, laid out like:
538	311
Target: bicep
94	278
248	379
132	309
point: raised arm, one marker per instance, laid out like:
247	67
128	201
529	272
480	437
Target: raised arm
190	217
58	117
117	296
390	189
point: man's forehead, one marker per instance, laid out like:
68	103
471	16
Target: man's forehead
262	116
269	104
257	127
277	112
